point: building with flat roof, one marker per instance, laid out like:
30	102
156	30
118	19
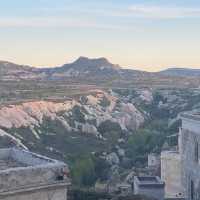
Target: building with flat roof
181	170
189	148
25	175
150	186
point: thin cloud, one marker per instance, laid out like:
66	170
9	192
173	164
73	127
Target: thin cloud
162	12
52	22
134	11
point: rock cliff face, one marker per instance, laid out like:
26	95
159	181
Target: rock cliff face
84	116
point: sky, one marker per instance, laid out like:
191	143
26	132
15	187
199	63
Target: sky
139	34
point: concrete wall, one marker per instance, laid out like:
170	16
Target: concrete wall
171	174
45	194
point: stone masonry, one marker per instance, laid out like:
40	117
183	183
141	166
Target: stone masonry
189	147
25	175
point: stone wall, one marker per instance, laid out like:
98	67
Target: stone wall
39	171
40	194
36	178
191	168
171	174
190	137
27	177
4	153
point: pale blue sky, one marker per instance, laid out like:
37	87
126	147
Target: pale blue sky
143	34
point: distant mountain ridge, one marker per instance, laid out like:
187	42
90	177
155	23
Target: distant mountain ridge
83	67
181	72
96	69
12	71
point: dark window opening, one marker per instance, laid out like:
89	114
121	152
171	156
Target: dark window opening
60	178
192	190
196	153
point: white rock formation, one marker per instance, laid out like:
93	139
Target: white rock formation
32	114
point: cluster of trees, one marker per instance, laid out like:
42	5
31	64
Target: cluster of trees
87	169
149	139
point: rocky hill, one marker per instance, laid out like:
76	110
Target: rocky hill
82	68
85	67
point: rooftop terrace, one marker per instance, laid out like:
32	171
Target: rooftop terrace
21	170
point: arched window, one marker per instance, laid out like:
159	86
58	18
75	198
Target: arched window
196	152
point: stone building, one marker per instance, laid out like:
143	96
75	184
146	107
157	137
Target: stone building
25	175
189	148
180	170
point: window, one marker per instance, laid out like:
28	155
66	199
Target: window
196	152
191	190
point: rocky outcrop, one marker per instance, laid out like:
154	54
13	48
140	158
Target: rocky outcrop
82	116
31	113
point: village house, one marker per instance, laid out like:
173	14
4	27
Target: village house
180	170
189	148
25	175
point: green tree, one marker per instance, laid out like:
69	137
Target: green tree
83	171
